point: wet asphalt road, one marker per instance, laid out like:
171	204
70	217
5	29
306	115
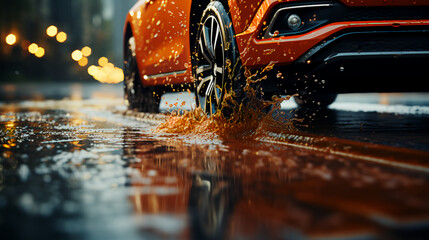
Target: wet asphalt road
81	167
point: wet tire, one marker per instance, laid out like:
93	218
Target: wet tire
215	60
315	100
138	97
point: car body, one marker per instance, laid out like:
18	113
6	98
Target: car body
349	46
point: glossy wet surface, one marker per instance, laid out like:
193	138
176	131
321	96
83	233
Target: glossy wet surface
83	170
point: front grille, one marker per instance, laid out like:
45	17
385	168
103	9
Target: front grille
379	42
343	13
367	41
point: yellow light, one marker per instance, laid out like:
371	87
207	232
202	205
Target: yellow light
92	70
11	39
86	51
109	66
76	55
33	48
106	74
40	52
83	62
103	61
118	75
61	37
100	75
10	124
52	31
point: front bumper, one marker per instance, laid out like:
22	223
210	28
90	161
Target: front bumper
265	42
374	54
360	60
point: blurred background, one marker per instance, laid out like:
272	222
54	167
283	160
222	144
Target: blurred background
61	41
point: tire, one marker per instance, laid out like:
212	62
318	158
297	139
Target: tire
211	205
215	60
138	97
315	100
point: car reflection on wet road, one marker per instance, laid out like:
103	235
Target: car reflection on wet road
82	169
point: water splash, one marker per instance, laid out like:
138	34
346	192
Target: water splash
249	120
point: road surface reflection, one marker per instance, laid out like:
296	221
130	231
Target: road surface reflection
253	189
87	169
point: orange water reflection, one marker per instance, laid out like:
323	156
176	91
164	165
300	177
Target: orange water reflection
258	190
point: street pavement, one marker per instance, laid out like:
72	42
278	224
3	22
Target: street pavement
75	164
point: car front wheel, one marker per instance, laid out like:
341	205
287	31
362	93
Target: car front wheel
216	63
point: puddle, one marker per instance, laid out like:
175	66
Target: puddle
91	172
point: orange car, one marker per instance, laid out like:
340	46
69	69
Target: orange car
314	48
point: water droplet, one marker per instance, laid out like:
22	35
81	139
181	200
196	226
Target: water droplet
276	33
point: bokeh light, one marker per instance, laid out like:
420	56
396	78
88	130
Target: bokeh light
33	48
61	37
83	62
107	74
86	51
11	39
40	52
52	31
92	69
103	61
76	55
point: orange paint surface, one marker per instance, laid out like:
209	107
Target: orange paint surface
288	49
162	32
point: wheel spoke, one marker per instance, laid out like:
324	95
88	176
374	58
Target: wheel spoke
203	69
209	89
203	51
204	80
216	37
208	43
219	70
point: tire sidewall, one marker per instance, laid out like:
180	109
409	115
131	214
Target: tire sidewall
132	76
143	98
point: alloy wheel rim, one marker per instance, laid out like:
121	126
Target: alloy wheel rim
210	66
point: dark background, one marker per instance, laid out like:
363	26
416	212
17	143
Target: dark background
94	23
